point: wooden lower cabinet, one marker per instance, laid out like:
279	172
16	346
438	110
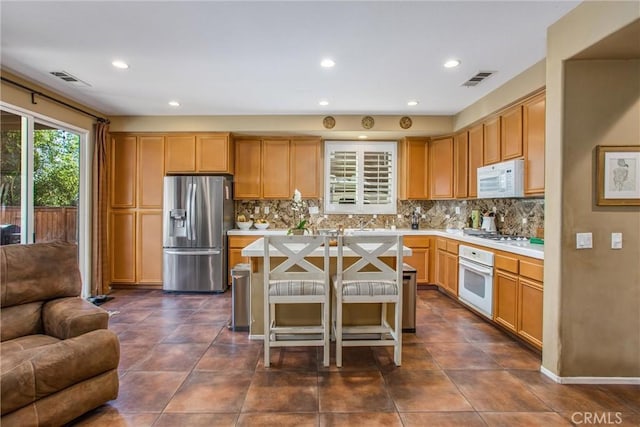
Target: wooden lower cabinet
420	256
451	284
122	244
447	266
518	294
149	247
135	247
235	246
505	311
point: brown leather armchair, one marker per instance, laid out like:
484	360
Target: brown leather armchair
58	360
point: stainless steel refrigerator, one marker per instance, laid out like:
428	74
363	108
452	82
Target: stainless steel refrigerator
198	212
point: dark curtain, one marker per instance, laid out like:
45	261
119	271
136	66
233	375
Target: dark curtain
99	257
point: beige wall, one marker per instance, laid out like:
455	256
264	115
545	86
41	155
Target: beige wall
568	350
600	307
525	83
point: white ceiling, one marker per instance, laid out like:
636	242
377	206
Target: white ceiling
262	57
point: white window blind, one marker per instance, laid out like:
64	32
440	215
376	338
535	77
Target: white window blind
360	177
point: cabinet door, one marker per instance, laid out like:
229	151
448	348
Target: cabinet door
123	171
530	311
276	169
306	168
505	299
150	171
452	274
461	165
149	247
491	145
441	268
413	155
441	168
213	154
533	141
122	244
247	166
420	261
511	133
476	142
180	154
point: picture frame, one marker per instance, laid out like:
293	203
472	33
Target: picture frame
618	175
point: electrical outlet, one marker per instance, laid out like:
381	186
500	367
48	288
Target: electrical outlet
375	216
584	241
256	210
423	216
325	216
399	216
447	216
418	209
313	210
494	209
524	221
501	218
266	210
276	216
350	216
457	210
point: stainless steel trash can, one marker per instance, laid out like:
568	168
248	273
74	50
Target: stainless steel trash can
409	289
240	293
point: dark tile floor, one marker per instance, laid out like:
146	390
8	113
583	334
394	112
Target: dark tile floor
181	366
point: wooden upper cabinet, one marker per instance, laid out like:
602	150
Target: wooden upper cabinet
511	133
461	165
123	171
306	168
491	143
276	164
247	182
214	153
533	143
179	155
441	168
413	161
476	142
150	171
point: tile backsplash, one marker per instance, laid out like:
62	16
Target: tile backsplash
510	214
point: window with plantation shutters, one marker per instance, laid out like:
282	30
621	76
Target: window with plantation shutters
360	177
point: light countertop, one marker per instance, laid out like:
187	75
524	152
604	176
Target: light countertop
523	247
256	249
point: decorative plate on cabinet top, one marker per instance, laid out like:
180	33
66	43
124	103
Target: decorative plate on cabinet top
367	122
405	122
329	122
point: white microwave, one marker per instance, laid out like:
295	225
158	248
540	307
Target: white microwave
504	179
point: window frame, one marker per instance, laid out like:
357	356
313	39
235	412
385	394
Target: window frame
359	148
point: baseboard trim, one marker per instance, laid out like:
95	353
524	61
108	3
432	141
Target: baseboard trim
590	380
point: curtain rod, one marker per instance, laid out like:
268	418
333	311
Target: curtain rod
44	95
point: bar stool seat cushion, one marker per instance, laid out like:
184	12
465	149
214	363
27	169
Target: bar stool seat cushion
369	287
281	288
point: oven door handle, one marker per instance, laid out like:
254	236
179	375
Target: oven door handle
475	267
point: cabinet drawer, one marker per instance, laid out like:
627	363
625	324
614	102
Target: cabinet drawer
242	241
452	246
442	244
506	263
415	241
532	270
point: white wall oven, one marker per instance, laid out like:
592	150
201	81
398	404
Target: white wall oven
475	279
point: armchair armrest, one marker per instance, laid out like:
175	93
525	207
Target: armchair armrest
66	318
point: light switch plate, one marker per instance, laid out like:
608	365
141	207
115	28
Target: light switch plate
256	210
266	210
616	240
457	210
584	240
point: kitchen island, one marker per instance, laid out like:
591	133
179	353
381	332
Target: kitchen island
301	314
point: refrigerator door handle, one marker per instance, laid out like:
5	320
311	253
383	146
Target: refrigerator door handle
192	207
201	252
188	213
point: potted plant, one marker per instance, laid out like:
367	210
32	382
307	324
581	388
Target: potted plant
297	205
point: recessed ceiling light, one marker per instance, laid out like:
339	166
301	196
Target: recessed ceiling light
327	63
362	137
174	103
323	102
120	64
452	63
412	103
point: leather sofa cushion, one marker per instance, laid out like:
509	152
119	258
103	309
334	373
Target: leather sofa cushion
27	342
20	320
36	372
38	272
69	317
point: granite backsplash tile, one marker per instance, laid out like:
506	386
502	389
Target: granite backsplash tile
439	214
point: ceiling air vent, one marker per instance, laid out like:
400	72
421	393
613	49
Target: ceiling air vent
478	78
69	78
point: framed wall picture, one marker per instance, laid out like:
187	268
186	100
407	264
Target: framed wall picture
618	175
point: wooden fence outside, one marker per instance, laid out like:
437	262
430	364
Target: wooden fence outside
51	223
